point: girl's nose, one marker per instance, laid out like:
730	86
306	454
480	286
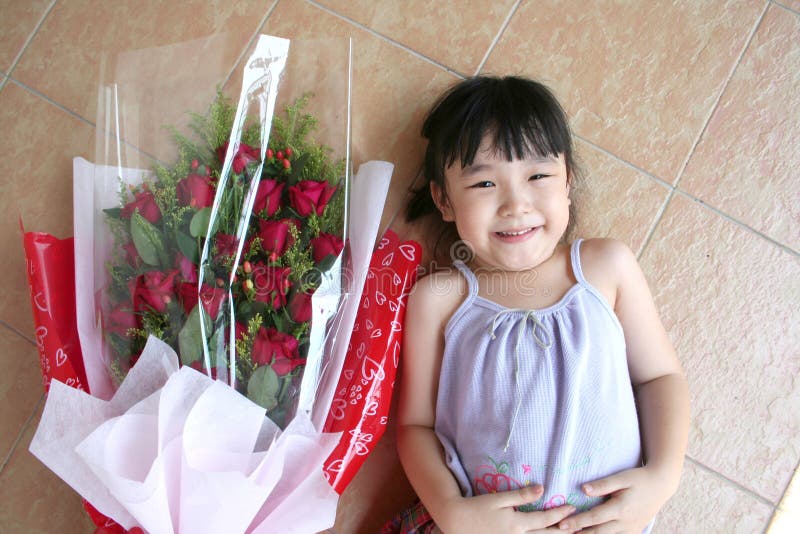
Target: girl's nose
515	204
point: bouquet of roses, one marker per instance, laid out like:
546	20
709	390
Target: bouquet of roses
239	261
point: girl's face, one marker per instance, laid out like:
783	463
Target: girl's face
511	213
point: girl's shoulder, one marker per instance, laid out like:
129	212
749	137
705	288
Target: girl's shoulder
606	263
438	295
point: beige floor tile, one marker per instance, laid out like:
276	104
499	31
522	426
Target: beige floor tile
637	78
746	163
728	299
787	515
456	34
20	387
18	22
391	91
707	504
63	60
613	199
36	185
35	501
791	4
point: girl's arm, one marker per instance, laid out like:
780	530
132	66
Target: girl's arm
431	303
661	393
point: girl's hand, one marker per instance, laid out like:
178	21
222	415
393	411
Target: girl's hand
494	512
634	498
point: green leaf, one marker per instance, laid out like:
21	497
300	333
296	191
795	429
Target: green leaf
146	238
114	213
199	225
188	246
263	387
297	168
190	338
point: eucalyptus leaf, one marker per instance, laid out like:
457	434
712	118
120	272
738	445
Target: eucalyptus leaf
114	213
190	338
145	239
188	246
263	387
198	227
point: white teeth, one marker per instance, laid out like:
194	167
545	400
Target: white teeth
515	233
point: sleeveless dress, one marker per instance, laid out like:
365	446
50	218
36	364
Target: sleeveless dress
535	397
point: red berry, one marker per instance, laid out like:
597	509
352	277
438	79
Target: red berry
289	152
208	170
167	299
195	164
287	164
279	155
220	282
286	283
247	267
273	257
270	153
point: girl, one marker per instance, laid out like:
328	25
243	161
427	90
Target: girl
529	368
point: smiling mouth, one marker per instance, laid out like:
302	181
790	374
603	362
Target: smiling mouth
517	233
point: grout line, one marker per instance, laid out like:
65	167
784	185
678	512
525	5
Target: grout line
795	473
715	105
728	218
787	8
17	332
732	482
50	101
626	163
33	33
22	430
387	39
249	43
497	37
651	231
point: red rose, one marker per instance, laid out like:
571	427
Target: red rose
275	236
195	191
325	244
155	290
212	298
186	267
226	245
145	204
310	195
271	284
268	197
120	319
131	254
244	155
277	349
300	307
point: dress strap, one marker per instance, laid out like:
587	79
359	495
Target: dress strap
472	282
575	258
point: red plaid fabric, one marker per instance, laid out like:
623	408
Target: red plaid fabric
412	520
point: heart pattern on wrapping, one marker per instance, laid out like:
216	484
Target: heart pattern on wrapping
61	357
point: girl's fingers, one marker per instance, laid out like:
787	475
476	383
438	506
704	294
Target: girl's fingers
596	516
526	495
606	486
612	527
549	517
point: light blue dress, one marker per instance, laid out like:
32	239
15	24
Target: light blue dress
537	396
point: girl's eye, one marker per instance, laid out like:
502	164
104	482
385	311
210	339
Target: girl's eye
538	177
483	184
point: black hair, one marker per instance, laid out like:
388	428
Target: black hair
522	117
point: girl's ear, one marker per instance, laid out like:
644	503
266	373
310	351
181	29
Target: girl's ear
442	203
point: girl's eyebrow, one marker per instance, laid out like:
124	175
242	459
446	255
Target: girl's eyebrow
475	168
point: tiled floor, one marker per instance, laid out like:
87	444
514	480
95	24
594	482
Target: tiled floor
688	120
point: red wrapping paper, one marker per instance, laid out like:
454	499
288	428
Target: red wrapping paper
360	407
50	265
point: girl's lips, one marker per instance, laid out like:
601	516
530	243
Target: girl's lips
516	235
